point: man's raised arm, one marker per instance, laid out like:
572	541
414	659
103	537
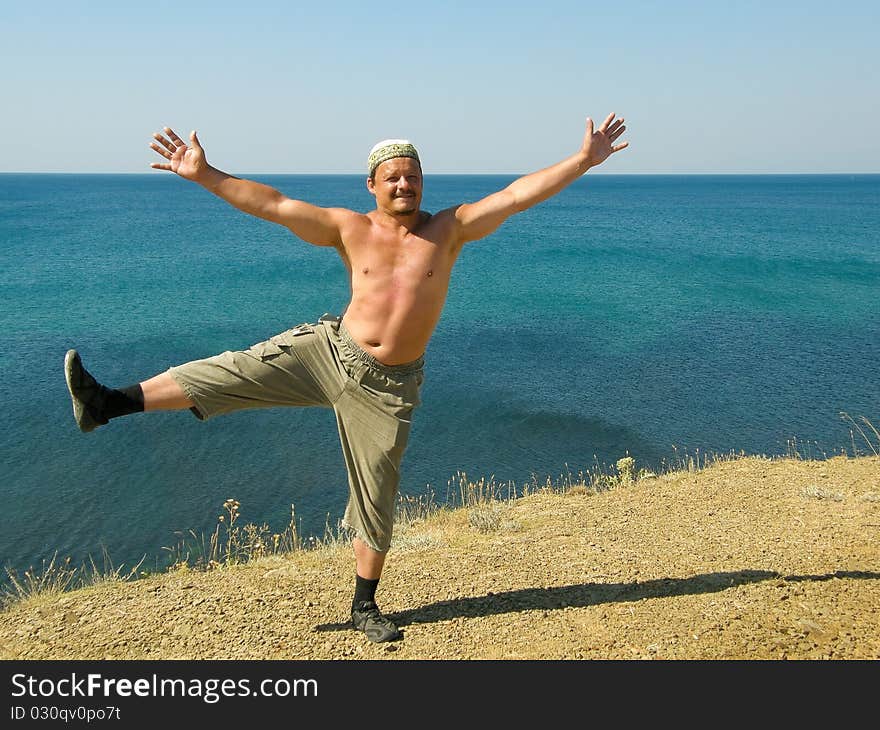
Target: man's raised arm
477	220
318	226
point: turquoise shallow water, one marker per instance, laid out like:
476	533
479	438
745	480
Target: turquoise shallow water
658	315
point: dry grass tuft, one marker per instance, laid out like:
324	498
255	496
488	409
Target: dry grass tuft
814	492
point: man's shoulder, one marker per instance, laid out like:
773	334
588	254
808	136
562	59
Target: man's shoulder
442	216
349	216
348	212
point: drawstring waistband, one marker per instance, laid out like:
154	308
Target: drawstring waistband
355	350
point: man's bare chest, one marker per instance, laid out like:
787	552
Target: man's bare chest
407	257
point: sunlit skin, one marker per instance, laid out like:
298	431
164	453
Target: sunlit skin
399	257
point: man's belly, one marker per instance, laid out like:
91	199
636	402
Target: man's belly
392	335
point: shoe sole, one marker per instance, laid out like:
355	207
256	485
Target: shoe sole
377	634
380	636
85	422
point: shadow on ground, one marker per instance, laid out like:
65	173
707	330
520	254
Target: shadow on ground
593	594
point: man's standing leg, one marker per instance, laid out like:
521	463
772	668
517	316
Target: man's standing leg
373	476
368	570
373	438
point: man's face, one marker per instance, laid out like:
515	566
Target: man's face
397	185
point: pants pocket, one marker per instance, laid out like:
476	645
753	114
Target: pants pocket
275	345
287	337
265	350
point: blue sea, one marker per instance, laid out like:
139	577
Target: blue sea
658	316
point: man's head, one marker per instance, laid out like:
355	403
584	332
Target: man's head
388	149
395	176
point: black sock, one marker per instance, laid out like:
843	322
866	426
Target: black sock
364	590
119	402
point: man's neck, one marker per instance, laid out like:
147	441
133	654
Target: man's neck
409	221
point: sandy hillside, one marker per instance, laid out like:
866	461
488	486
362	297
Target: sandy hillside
750	558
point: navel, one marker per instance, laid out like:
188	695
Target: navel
366	271
431	273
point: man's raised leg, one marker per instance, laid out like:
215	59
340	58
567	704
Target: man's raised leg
163	393
95	404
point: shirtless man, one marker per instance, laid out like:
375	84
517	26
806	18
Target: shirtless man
366	365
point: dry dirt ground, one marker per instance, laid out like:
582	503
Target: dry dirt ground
749	558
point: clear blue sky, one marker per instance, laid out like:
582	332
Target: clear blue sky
499	87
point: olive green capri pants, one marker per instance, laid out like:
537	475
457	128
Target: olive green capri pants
321	365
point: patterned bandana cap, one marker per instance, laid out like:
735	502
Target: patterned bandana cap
388	149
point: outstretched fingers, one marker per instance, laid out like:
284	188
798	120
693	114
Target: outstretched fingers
177	141
604	126
613	129
161	150
166	146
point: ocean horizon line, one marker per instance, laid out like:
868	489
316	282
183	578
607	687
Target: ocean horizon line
476	174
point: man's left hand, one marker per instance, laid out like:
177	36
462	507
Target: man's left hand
599	145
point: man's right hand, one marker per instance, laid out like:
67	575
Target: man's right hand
187	161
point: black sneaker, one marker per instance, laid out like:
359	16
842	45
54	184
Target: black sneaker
85	392
367	617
